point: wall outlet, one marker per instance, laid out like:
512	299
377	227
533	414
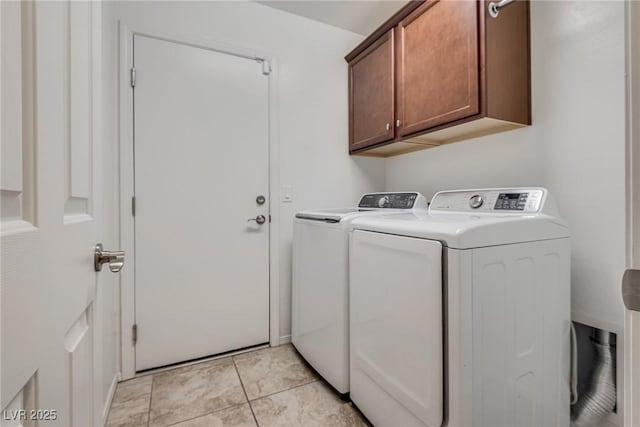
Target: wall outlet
287	194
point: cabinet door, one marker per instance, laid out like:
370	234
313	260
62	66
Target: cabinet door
438	73
371	94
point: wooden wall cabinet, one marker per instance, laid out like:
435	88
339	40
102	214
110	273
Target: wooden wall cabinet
439	71
371	91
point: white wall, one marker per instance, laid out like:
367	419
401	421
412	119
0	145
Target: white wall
575	147
311	94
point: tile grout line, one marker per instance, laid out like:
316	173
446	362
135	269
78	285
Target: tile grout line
245	392
286	389
206	414
150	399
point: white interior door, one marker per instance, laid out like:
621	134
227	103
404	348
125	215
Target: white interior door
201	160
50	94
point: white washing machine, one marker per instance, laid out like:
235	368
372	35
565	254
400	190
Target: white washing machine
461	316
319	328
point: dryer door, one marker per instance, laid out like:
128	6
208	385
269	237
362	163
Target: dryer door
396	329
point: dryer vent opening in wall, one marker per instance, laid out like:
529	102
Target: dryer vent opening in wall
594	385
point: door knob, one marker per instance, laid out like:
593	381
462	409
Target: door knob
114	258
260	219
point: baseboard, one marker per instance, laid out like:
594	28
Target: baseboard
285	339
112	392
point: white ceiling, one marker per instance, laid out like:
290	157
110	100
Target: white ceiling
358	16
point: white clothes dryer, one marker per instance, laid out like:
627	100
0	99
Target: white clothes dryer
460	316
319	324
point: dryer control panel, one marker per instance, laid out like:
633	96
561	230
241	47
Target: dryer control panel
495	200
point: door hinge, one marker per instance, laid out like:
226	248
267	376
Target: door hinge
133	206
266	67
134	334
133	76
269	218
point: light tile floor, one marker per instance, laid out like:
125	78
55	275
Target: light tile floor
265	388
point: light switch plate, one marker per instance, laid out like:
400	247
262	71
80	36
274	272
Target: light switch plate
287	194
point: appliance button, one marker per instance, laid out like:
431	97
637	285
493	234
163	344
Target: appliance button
476	201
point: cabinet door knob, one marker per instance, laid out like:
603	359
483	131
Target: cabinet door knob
398	123
388	126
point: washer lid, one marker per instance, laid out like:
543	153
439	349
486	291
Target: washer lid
457	219
341	214
329	215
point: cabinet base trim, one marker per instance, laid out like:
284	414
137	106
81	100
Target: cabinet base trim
473	129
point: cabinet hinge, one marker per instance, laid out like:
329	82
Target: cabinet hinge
134	334
133	76
133	206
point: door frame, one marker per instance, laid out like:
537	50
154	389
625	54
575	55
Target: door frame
125	136
632	320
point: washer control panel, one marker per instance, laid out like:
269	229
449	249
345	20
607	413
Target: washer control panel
512	200
388	200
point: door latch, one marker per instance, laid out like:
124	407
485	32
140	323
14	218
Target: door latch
631	289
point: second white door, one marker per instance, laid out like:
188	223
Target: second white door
201	163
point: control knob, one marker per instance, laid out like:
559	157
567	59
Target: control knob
476	201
